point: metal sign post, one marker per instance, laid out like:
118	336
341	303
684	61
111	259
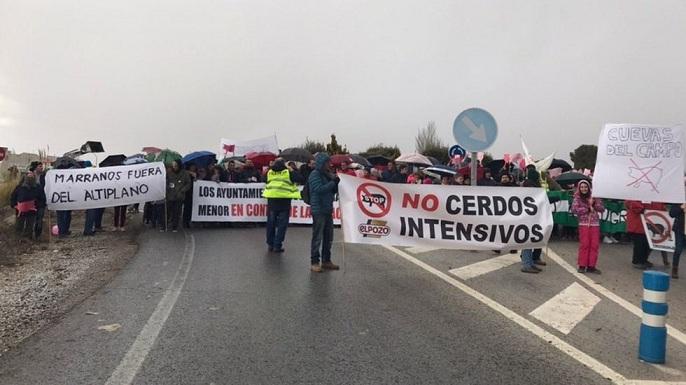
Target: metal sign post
473	165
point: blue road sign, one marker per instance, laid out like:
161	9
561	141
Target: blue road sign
456	150
475	129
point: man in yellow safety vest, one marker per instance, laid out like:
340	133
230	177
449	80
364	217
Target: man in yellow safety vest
279	191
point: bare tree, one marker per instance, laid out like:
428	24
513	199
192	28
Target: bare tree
428	143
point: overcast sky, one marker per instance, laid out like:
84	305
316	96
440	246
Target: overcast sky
183	74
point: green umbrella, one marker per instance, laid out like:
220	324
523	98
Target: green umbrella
167	156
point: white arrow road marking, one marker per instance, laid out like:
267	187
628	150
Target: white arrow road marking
565	310
421	249
131	363
478	133
672	331
485	267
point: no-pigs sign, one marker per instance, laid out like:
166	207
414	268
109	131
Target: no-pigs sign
658	227
374	199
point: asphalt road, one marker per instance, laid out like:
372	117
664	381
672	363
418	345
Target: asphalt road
213	307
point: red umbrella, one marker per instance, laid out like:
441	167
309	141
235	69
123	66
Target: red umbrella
337	159
151	150
260	159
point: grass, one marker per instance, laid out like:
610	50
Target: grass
6	189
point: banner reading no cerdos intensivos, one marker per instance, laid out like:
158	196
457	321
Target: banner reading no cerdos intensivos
453	217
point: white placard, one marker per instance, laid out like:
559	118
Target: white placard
451	217
243	202
88	188
640	162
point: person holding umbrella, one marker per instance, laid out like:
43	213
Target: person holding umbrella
279	191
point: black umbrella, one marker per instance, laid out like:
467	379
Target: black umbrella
433	160
559	163
296	154
113	160
571	177
378	160
65	162
496	165
359	159
234	158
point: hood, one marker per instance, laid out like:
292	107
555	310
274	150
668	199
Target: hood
533	176
578	190
320	160
279	166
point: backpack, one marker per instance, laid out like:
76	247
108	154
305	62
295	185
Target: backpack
305	193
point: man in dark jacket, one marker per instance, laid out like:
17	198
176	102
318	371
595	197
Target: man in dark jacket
676	211
37	168
279	191
250	174
323	186
307	168
26	199
178	182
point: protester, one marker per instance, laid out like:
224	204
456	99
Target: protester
306	169
458	179
192	170
634	226
346	169
506	179
322	188
26	199
677	212
467	181
178	182
250	174
293	169
392	174
531	258
37	168
587	210
279	191
89	224
487	179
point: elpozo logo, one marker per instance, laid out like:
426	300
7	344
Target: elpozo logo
374	201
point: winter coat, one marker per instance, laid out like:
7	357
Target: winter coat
26	193
177	185
323	187
587	214
634	209
250	175
677	213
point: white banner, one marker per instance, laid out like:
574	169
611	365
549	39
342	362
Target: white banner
451	217
640	162
229	147
243	202
658	226
89	188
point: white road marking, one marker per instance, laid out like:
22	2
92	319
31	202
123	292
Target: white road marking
420	249
484	267
648	382
565	310
132	361
538	331
673	332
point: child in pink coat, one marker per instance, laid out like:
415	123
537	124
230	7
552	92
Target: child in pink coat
587	210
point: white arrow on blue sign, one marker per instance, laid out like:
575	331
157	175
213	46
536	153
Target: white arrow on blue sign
475	129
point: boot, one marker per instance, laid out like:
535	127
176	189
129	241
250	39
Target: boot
675	272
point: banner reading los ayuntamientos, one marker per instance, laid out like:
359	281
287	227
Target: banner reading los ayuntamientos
640	162
454	217
242	202
89	188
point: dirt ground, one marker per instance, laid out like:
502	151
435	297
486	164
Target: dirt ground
40	281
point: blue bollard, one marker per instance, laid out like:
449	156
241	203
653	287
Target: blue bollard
653	341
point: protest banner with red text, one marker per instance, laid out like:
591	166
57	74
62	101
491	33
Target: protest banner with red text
451	217
242	202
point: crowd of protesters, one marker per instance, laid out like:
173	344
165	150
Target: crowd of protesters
169	214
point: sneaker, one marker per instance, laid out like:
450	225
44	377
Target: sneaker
281	250
614	240
114	229
594	270
316	268
675	272
640	266
648	264
608	240
175	231
537	268
329	266
531	270
581	270
161	230
540	262
122	229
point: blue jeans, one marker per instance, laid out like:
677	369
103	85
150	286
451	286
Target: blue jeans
322	237
529	256
98	218
91	219
63	221
277	224
678	247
